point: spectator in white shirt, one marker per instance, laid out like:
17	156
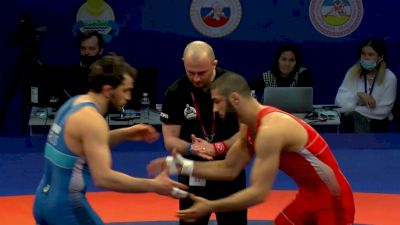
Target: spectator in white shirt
368	91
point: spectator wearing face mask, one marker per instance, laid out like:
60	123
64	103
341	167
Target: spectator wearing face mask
91	47
368	91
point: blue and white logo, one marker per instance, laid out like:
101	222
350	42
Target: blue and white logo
96	15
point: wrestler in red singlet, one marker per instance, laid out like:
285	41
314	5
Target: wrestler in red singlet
324	195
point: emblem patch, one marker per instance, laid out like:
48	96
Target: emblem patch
336	18
216	18
96	15
190	112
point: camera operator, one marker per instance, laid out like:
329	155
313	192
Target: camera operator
27	64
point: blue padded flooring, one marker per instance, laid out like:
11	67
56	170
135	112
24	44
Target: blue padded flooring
370	162
368	170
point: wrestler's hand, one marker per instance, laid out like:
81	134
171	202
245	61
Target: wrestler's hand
200	208
176	164
202	148
164	185
156	166
143	132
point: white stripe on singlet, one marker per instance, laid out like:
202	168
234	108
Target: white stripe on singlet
324	171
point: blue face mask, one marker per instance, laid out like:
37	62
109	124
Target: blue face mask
368	64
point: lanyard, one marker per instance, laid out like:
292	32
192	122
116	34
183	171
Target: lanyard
372	85
209	138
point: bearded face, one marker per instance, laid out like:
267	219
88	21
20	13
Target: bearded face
222	105
120	95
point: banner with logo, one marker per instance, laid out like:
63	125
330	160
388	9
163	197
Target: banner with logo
336	18
96	15
215	18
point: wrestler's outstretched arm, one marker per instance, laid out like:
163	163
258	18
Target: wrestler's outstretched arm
268	145
235	161
138	132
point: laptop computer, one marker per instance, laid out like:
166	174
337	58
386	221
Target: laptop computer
289	99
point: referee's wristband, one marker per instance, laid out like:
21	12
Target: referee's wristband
189	150
220	148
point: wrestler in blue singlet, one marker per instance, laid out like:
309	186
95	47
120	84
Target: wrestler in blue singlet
60	197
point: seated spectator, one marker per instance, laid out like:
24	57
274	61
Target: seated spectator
91	46
368	91
286	71
76	76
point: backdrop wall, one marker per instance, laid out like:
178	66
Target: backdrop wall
153	33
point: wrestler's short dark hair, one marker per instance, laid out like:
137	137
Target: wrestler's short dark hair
231	82
109	70
93	33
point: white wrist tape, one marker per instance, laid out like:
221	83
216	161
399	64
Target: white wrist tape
171	164
187	164
178	193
